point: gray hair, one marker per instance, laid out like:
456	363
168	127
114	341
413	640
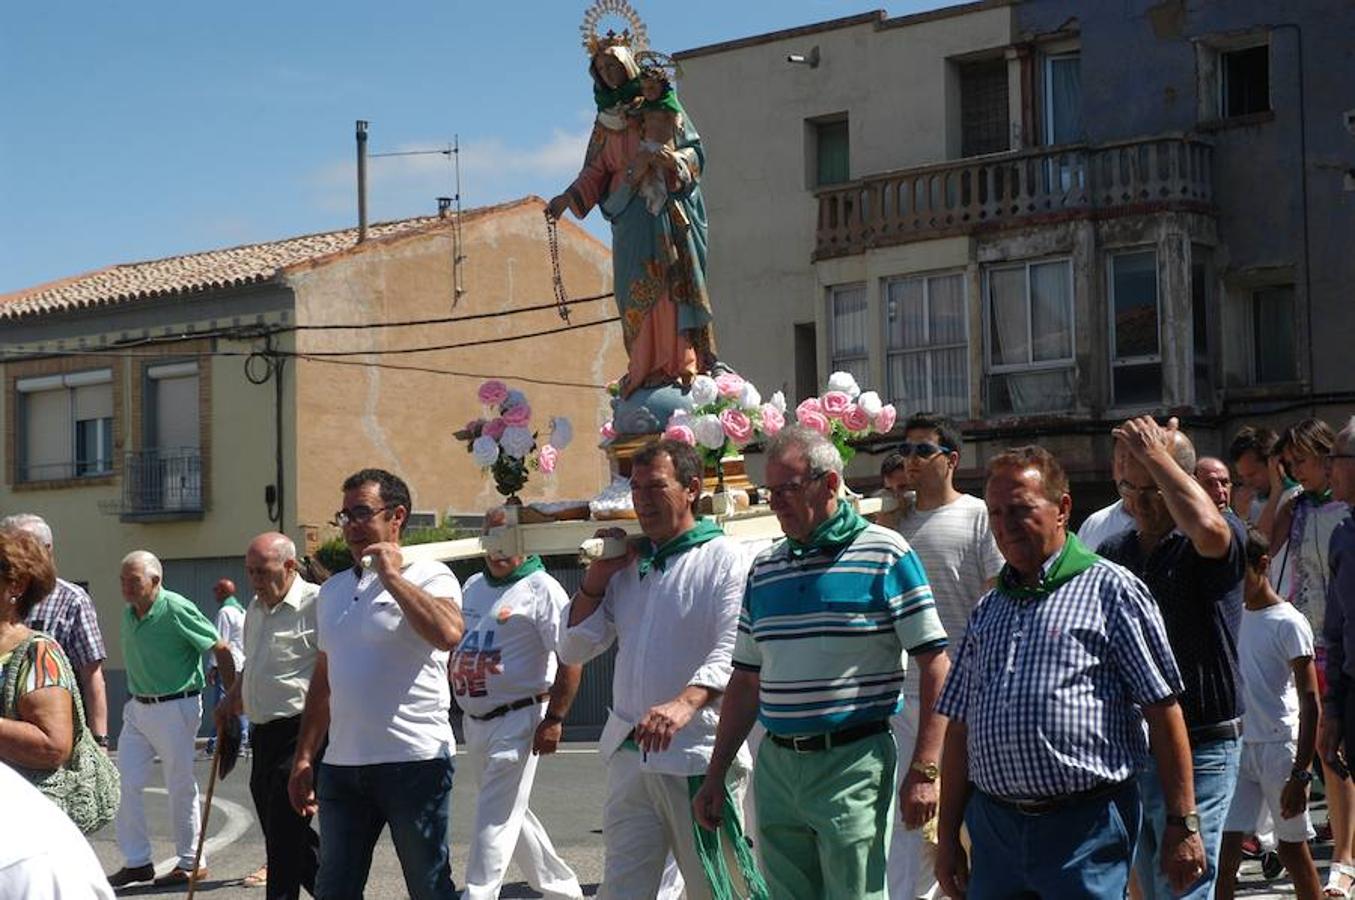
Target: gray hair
284	547
32	523
1345	438
146	561
817	450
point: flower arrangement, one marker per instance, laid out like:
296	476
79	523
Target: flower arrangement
727	414
504	441
845	413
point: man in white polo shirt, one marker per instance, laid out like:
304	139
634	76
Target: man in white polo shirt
384	631
280	652
515	699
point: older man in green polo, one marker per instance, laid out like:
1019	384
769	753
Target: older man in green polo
163	638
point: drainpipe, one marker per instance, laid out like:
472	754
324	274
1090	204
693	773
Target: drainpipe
362	180
1303	187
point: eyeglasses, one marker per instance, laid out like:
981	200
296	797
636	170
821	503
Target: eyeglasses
1341	456
922	450
1128	490
357	514
782	491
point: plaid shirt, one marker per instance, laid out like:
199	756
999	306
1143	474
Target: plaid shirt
1050	688
68	615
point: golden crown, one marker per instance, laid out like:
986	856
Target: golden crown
634	36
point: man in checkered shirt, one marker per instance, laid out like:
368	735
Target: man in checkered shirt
68	615
1060	666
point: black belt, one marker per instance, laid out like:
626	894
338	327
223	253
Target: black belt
165	698
813	743
1045	805
1219	731
510	707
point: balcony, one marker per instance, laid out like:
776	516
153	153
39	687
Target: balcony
1010	190
162	485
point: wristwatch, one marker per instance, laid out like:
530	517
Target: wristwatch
929	771
1302	776
1190	821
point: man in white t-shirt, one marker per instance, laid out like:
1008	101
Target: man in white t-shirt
1108	521
384	631
1279	728
949	532
515	699
43	856
230	624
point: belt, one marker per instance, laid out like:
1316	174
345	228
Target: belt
165	698
1218	731
510	707
1045	805
813	743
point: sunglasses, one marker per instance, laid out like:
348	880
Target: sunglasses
922	449
357	514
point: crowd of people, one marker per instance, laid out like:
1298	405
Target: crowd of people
963	698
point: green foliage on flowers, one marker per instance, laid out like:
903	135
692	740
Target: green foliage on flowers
333	554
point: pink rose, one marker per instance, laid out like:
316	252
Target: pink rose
738	427
729	385
546	457
496	428
885	420
679	432
815	420
518	415
835	404
811	405
493	392
856	418
607	431
773	420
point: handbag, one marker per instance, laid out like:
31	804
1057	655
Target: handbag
87	786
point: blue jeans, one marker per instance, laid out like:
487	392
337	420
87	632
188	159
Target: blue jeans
1081	851
1215	765
218	692
356	802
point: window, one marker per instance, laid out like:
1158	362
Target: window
1063	99
927	344
168	471
1029	341
1244	81
806	361
832	152
65	425
1136	351
983	108
849	327
1272	328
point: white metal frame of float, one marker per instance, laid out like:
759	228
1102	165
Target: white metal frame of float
578	536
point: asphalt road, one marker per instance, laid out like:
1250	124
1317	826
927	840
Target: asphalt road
567	798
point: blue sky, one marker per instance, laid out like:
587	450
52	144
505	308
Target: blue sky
152	128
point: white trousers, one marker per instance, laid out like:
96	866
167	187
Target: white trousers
498	756
166	730
911	860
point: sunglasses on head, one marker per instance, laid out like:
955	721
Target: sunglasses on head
922	449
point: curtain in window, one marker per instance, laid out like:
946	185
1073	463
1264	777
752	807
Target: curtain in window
950	381
1009	337
908	381
1051	312
946	294
907	325
1065	99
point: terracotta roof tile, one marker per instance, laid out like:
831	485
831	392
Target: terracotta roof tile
214	269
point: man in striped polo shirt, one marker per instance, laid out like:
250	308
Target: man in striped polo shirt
1060	665
827	616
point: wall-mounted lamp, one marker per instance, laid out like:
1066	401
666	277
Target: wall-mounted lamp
800	59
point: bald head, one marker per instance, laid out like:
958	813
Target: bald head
1213	475
223	590
270	564
1182	450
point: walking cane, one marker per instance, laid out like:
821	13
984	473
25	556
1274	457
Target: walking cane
206	813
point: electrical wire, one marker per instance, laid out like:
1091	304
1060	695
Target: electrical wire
449	372
444	320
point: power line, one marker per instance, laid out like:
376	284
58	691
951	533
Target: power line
431	371
442	320
465	344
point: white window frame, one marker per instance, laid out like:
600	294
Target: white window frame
833	293
67	382
1030	365
926	279
1131	361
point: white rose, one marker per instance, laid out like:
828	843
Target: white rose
517	441
704	390
561	432
750	398
843	381
870	403
779	401
485	451
708	430
678	415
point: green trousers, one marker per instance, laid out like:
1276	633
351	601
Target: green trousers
824	819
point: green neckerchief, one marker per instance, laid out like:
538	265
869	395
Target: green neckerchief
841	527
657	557
231	601
668	101
1073	560
526	567
1318	498
606	97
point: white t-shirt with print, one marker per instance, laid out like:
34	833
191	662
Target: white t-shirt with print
1268	641
507	652
388	692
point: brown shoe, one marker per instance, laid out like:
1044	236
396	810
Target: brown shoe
180	875
125	876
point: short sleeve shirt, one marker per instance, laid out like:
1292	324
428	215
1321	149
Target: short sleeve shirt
280	653
163	649
68	615
1268	642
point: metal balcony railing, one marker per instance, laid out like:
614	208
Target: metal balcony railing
1002	190
162	481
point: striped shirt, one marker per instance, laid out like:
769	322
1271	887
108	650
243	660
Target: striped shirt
1050	687
68	615
826	631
